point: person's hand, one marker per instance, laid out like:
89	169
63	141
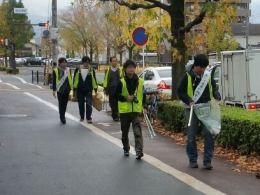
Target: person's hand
130	98
191	104
54	94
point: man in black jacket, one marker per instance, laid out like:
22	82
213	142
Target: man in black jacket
186	89
62	84
84	83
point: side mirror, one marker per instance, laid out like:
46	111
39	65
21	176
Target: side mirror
149	76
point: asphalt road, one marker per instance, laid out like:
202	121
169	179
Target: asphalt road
38	155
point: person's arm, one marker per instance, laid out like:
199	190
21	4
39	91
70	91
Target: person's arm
95	79
74	78
54	85
119	93
144	98
182	90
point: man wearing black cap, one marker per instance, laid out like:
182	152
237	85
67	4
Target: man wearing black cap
62	84
131	98
186	89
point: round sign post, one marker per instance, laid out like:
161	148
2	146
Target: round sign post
140	38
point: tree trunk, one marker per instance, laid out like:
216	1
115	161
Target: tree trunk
12	57
91	52
108	53
177	44
121	58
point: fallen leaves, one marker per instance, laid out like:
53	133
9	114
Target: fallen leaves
249	163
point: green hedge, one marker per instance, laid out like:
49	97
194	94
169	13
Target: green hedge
2	68
240	128
12	71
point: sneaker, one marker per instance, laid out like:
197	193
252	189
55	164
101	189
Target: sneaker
193	165
207	166
63	121
81	120
89	121
126	153
139	156
116	119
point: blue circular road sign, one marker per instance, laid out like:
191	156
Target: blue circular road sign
139	36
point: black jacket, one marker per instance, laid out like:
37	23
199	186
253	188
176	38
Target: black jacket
205	97
85	87
65	88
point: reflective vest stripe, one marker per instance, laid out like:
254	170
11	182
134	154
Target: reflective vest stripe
128	107
190	88
56	71
76	80
108	74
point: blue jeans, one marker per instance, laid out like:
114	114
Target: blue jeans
191	148
82	98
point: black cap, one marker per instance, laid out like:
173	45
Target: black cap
201	60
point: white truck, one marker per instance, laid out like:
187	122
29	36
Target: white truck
240	78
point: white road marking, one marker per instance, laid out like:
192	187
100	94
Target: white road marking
25	82
1	80
182	176
115	133
105	124
12	115
21	79
13	86
35	85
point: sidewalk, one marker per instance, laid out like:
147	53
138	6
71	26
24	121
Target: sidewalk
221	177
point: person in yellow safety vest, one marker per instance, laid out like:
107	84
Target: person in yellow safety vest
62	84
84	83
112	77
131	98
186	89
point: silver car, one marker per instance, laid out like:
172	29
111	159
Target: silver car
157	79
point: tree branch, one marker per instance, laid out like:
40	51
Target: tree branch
197	20
135	6
159	4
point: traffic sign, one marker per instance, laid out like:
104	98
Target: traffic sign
20	10
139	36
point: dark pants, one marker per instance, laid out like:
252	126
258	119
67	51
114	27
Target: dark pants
113	103
126	120
192	146
82	98
63	101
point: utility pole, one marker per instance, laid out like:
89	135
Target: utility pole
54	26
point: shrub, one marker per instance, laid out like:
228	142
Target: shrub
12	71
240	128
2	68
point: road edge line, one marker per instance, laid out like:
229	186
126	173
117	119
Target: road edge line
181	176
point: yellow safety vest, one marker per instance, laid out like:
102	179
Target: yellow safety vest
190	88
128	107
108	73
56	71
76	80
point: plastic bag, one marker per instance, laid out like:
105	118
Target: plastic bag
209	115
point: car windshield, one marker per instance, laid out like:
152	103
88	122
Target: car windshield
164	73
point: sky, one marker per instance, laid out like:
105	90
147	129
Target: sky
40	10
